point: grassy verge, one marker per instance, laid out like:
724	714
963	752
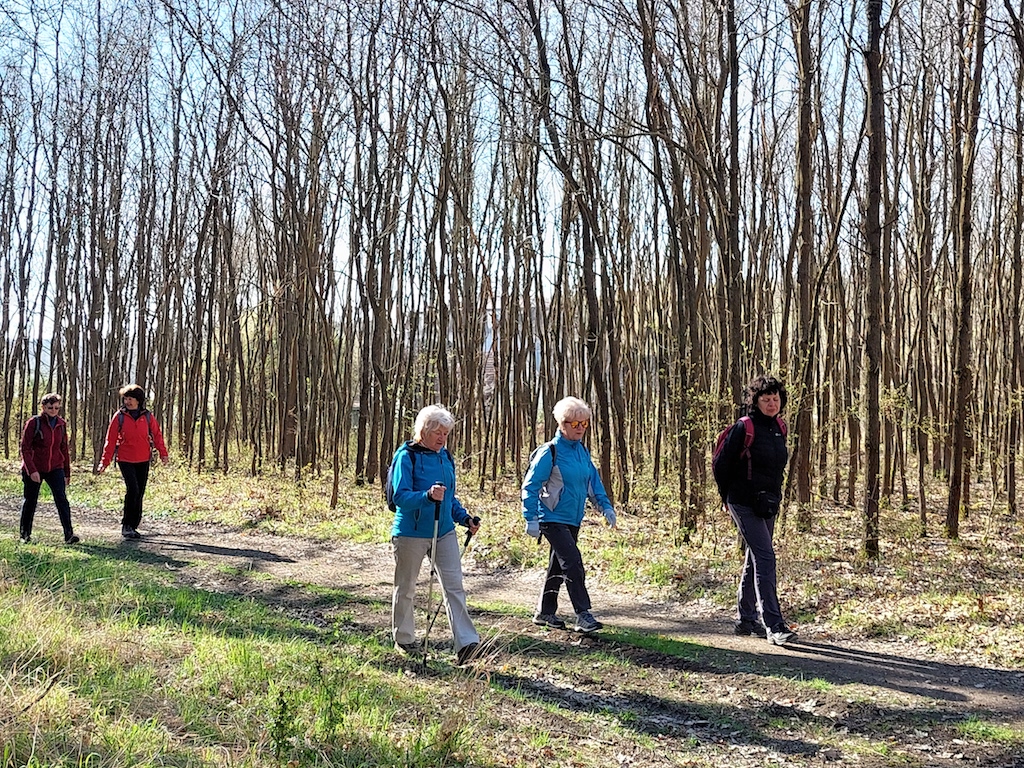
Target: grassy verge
121	667
106	661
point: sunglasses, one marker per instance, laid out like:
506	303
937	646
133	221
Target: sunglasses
51	405
577	424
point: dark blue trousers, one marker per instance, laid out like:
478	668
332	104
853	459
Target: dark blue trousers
757	592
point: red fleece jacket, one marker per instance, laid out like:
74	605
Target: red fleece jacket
131	440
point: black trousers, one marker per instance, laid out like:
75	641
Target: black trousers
135	478
565	565
55	479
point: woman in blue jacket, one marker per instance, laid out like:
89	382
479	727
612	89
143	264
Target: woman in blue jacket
558	483
422	483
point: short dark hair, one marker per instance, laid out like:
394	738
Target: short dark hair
764	385
133	390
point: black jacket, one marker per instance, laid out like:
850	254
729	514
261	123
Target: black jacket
768	457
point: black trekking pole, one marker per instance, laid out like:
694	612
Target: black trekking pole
465	546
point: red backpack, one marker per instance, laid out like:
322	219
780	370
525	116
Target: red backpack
748	440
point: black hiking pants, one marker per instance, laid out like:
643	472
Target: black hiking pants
55	479
135	475
565	565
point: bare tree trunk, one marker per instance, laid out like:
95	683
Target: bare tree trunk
1016	364
968	104
873	300
800	466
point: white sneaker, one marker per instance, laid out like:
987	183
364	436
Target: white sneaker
780	634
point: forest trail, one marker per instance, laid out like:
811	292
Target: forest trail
211	557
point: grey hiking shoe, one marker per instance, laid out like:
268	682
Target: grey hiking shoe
586	623
410	649
780	634
548	620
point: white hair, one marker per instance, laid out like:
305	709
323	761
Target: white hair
431	418
571	409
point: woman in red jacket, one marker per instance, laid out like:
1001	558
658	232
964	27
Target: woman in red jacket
132	437
45	456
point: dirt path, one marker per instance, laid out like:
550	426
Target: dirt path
211	557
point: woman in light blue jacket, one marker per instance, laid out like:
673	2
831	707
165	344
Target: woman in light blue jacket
558	483
422	483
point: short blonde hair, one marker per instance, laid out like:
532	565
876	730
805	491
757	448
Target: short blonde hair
571	409
432	418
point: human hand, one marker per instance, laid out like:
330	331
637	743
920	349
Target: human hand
35	477
101	469
473	524
609	515
436	492
533	528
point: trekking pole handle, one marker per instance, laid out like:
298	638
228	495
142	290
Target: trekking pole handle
469	533
437	502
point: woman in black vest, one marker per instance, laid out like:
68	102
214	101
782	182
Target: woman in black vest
753	461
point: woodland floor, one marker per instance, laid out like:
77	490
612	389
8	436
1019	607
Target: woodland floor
731	700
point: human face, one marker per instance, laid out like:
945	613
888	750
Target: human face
769	405
52	408
435	439
574	427
130	403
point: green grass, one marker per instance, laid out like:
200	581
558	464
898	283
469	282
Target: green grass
106	662
680	649
819	685
978	729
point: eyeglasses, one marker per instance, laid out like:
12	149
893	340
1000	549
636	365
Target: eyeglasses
577	424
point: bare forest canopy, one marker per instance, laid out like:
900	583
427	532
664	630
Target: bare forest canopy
296	223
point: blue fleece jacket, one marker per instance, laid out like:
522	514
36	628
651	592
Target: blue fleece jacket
412	479
557	492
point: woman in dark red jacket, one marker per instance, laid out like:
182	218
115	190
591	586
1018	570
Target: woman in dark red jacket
132	437
45	456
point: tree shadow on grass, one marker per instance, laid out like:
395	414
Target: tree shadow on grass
254	556
755	723
978	689
643	712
